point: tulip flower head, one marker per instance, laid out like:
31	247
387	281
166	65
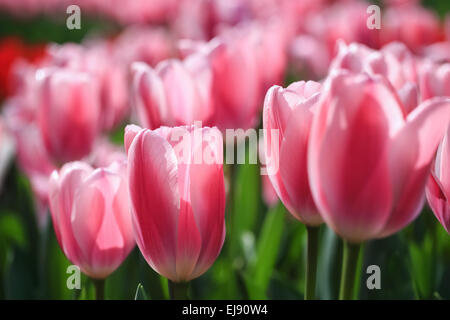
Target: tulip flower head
368	160
174	93
290	111
177	194
68	113
90	213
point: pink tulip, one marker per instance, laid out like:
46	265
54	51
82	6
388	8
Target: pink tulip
175	93
394	62
32	157
438	187
149	45
90	213
435	80
97	60
438	52
368	163
68	113
411	24
177	197
237	83
289	112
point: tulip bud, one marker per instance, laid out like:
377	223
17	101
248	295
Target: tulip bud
368	162
290	112
177	197
175	93
68	113
91	218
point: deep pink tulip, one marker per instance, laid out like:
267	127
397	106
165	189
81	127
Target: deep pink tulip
368	163
177	197
91	218
438	187
289	113
69	110
174	93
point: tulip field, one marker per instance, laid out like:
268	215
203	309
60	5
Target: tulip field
224	150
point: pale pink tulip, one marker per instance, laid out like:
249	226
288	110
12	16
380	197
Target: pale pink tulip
69	110
435	80
177	197
438	52
91	218
394	62
438	187
175	93
289	114
368	162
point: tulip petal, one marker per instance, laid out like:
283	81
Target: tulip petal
149	97
155	199
207	197
412	151
62	189
352	187
438	202
131	132
293	172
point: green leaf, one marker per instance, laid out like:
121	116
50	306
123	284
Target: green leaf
246	205
262	266
12	230
140	293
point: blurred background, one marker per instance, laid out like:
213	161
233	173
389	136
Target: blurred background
264	252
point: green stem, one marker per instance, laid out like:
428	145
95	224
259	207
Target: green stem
178	290
349	264
99	285
311	261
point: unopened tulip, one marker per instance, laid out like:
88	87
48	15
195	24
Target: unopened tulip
438	187
68	113
237	82
435	80
368	163
288	113
287	118
174	93
177	197
394	62
90	213
97	60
